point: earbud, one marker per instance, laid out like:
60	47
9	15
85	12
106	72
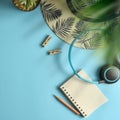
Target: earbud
109	74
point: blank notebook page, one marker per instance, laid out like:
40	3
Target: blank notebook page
85	96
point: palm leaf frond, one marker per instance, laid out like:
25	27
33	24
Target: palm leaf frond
95	10
96	41
63	27
50	11
112	41
88	39
79	27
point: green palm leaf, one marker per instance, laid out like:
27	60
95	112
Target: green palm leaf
107	11
95	10
112	41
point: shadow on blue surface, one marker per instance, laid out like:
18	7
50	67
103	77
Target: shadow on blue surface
7	4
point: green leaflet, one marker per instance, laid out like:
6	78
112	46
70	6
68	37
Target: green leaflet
28	3
107	10
98	10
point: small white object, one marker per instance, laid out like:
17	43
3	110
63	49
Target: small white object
85	96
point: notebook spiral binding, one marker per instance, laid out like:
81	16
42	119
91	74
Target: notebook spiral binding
74	102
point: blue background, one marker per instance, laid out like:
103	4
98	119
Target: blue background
29	77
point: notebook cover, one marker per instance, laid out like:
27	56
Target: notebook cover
85	96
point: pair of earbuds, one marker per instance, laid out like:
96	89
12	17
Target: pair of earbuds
108	74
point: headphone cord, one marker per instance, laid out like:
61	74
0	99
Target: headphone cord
70	50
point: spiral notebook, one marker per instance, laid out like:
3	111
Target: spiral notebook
86	97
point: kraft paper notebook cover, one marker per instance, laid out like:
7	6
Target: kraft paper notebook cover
86	97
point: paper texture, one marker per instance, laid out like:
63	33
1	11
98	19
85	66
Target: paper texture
85	96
